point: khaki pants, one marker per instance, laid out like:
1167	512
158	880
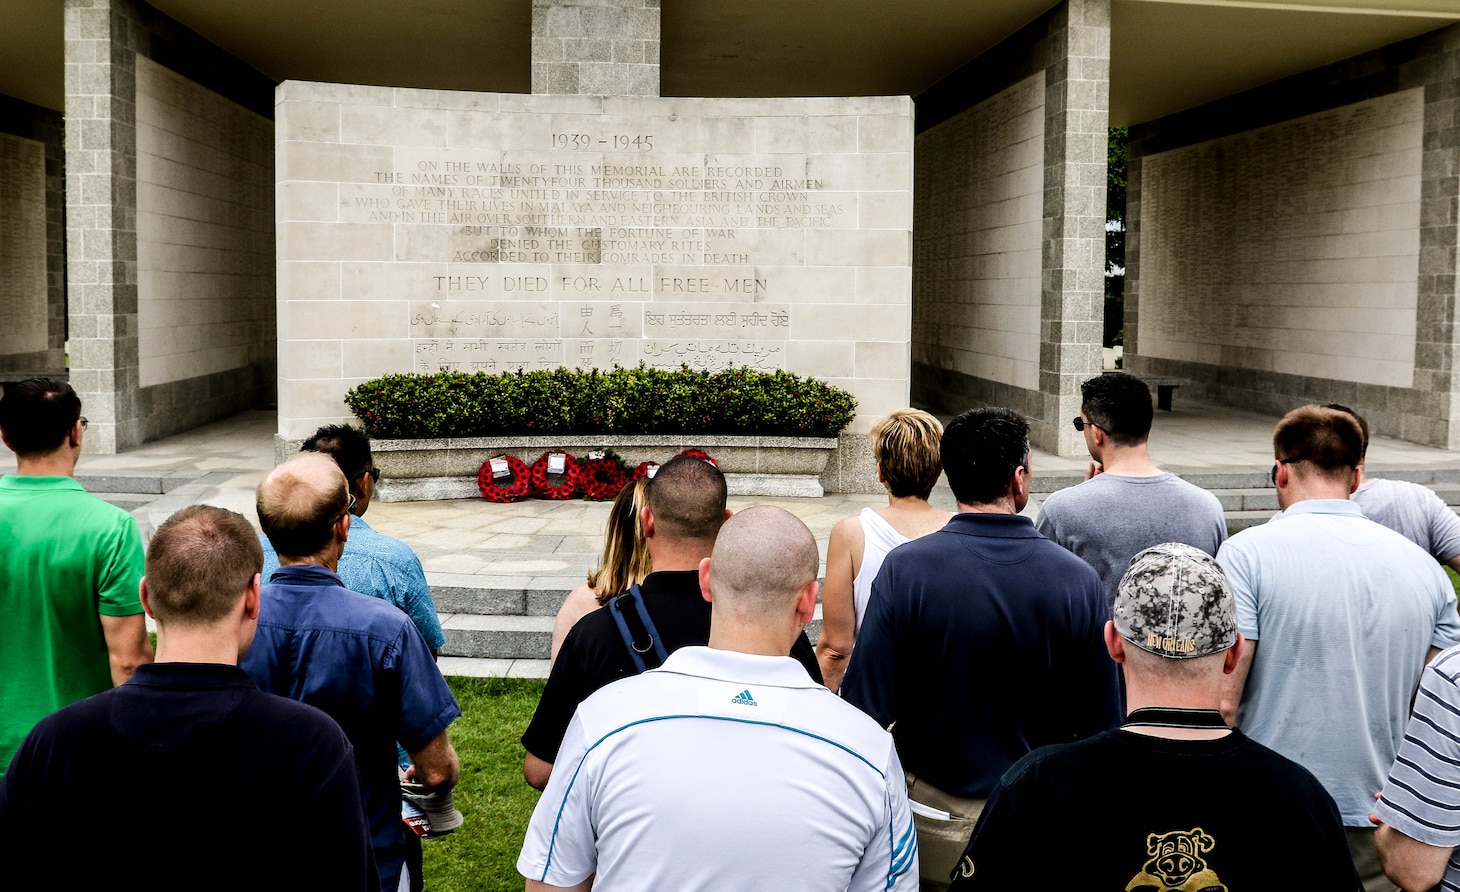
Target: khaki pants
1366	860
941	843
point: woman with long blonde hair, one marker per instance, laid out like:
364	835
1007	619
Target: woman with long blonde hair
625	563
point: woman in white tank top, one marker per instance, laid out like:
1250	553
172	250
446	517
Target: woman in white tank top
905	446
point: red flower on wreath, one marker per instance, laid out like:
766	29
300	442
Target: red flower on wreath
514	487
601	479
555	486
645	469
699	454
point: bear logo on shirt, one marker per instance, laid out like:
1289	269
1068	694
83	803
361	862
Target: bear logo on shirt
1176	864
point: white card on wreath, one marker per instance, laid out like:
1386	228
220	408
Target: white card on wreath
557	462
500	468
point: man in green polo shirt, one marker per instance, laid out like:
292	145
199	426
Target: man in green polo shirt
70	618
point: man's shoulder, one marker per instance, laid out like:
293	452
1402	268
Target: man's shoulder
375	545
339	607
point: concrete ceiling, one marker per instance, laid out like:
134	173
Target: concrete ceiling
1166	55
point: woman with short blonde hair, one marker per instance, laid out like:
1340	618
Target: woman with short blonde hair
905	446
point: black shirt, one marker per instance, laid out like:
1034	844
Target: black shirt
185	777
1122	810
593	653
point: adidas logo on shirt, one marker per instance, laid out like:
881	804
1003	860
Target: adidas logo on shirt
744	699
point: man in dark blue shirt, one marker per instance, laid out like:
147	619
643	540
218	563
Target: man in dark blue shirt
217	761
981	641
357	658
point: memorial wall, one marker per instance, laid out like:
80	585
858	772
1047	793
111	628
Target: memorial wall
205	284
980	213
23	294
424	230
1291	249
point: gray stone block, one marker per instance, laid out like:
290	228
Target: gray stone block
804	486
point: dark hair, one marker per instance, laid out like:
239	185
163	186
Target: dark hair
982	448
199	563
347	445
1328	439
687	498
1120	404
36	415
1363	425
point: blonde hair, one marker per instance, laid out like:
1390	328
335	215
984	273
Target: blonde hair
906	447
625	554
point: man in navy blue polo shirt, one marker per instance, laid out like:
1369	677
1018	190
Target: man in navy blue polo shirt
355	657
981	641
218	763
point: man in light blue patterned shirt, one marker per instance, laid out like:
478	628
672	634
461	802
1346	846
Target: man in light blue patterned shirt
373	564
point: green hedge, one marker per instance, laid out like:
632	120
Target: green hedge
736	401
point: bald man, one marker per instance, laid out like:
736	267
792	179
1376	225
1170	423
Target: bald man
358	658
802	791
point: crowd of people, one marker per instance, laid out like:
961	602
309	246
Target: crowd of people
1116	680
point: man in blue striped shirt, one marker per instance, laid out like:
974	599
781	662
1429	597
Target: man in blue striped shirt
1419	811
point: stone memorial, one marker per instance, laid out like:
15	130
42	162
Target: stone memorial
424	230
23	297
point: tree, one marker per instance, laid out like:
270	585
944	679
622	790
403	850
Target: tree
1115	185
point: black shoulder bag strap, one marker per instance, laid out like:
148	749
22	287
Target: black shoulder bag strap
643	639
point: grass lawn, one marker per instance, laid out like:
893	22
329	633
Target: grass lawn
496	801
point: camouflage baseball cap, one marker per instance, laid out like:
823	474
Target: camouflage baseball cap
1174	601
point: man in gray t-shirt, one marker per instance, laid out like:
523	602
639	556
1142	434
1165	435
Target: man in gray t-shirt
1413	511
1126	503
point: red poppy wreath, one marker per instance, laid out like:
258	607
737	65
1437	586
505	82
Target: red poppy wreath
550	483
699	454
602	478
513	486
645	469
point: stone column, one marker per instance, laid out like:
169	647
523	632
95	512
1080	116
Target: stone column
101	216
1436	391
595	47
1076	118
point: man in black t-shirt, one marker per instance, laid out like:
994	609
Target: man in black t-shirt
686	506
1174	799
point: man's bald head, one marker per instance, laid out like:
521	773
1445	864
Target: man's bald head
763	558
299	503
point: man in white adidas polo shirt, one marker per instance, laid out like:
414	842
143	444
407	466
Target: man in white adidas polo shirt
728	767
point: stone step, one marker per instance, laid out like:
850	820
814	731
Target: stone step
127	501
510	638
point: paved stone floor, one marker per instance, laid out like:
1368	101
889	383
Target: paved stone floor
542	545
557	541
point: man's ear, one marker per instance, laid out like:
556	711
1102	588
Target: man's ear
146	597
646	521
74	437
806	602
342	527
1114	644
251	598
705	580
1233	655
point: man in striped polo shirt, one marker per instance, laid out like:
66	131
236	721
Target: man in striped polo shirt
1419	811
728	767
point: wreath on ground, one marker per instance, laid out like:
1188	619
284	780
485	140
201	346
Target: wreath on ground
555	485
700	454
645	469
602	475
513	486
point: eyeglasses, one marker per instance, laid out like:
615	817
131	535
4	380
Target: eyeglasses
1272	475
84	422
373	471
349	509
1080	424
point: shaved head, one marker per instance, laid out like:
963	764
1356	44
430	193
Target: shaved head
762	559
300	502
